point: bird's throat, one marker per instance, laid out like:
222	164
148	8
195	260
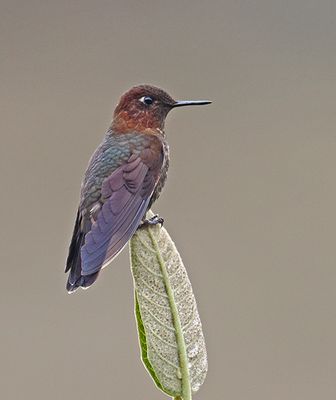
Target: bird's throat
126	122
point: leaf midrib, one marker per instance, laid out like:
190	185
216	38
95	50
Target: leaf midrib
182	351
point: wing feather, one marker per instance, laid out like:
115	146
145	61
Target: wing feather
103	228
128	191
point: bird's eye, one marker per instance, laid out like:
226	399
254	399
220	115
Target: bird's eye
146	100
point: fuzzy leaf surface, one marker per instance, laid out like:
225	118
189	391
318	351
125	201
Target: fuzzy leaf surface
170	331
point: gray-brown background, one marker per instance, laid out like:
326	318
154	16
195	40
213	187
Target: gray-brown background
250	199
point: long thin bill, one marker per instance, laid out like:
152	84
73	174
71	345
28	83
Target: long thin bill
183	103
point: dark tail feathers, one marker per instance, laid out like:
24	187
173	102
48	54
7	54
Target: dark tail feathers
73	263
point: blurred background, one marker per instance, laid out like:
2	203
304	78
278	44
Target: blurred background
250	199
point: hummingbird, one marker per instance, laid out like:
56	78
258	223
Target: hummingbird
125	175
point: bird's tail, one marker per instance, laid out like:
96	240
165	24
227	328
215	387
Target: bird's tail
73	263
75	281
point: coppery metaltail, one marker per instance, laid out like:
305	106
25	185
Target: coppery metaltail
124	177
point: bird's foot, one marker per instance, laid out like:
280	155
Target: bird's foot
151	221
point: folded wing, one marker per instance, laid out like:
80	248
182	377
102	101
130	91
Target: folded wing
127	191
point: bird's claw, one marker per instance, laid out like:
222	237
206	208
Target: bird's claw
152	221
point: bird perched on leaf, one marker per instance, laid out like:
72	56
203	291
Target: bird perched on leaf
124	177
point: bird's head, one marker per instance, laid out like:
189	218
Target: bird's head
144	108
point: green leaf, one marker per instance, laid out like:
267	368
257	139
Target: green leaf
170	331
143	344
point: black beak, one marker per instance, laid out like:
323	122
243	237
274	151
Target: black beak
191	103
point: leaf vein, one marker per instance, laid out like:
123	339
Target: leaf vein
160	338
158	320
147	268
154	291
186	327
162	357
153	302
145	244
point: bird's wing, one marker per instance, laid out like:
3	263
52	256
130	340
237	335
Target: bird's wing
126	193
